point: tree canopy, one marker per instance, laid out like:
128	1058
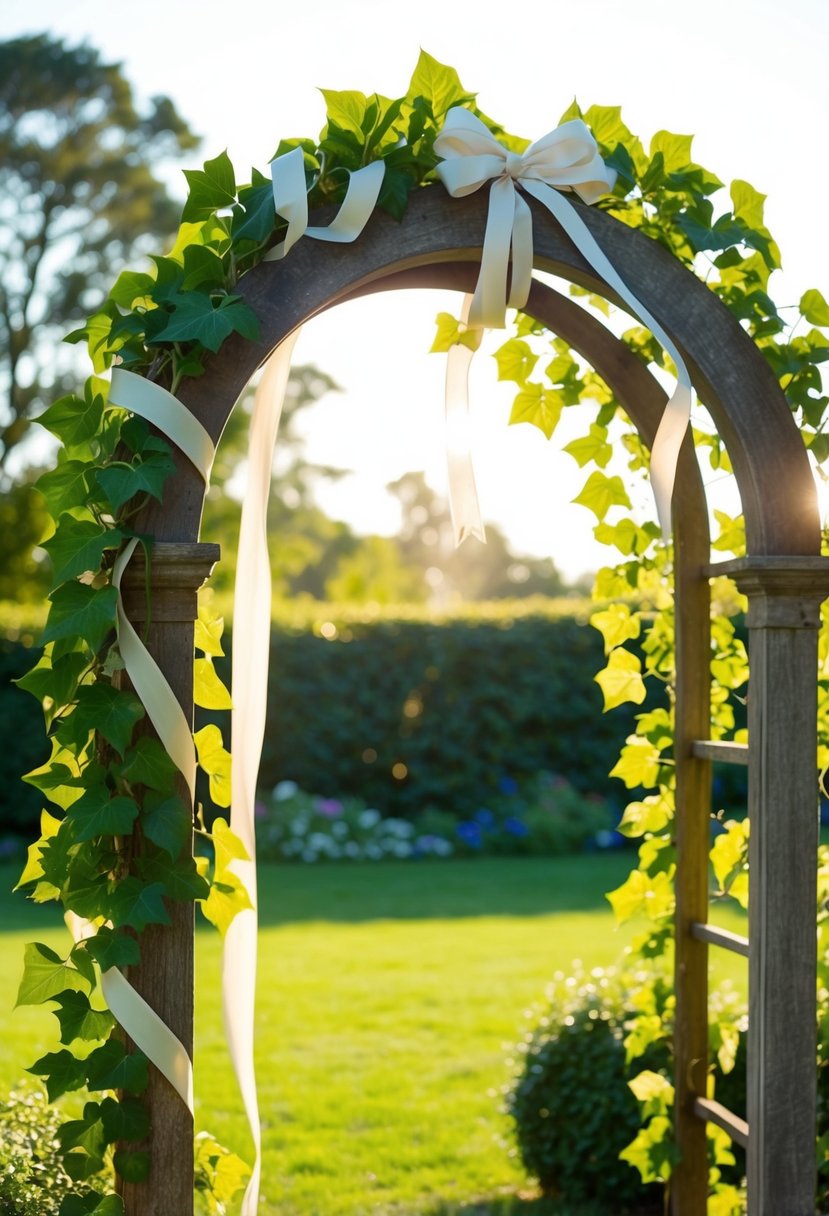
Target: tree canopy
80	196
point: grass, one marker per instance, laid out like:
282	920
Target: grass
388	997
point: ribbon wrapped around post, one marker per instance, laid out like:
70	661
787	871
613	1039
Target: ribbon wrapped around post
566	159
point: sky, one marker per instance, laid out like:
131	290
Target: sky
747	77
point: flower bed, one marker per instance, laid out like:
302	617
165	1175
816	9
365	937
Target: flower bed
545	817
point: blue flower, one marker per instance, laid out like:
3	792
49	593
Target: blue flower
508	785
484	817
516	827
470	834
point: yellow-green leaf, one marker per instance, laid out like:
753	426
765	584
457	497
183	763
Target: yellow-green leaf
209	631
215	760
638	763
814	307
208	690
33	870
730	850
654	1091
540	407
652	814
601	492
515	360
621	680
616	625
452	332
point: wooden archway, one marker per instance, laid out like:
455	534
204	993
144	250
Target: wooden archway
439	245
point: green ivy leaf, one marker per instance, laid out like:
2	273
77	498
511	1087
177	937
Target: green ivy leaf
132	903
45	975
97	813
167	822
198	318
124	1119
254	219
78	1020
79	611
130	287
132	1166
180	877
54	682
203	268
111	1066
112	949
61	1071
80	1166
675	149
121	481
653	1152
64	486
74	421
91	1204
438	84
147	763
601	492
211	189
113	712
78	545
814	307
652	814
86	1133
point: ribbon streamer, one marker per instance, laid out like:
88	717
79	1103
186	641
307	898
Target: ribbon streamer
290	200
564	159
251	637
463	493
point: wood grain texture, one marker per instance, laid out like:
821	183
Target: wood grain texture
164	976
784	599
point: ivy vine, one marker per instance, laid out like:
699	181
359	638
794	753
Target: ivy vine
107	780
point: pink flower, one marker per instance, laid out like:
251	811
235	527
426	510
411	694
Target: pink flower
328	806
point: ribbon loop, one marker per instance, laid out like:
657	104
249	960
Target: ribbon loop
565	159
290	200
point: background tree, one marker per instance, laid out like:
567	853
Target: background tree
80	196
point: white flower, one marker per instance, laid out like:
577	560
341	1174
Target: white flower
401	849
339	829
299	826
374	852
284	790
442	847
353	850
309	855
400	828
368	818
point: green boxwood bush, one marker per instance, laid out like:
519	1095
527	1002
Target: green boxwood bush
570	1104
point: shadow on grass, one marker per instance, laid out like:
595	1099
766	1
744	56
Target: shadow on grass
521	1205
404	890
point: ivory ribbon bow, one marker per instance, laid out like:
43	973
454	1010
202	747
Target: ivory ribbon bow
566	159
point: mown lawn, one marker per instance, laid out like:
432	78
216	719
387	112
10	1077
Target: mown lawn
389	995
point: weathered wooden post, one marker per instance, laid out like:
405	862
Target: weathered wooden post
164	978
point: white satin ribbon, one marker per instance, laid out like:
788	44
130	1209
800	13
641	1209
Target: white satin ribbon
166	412
564	159
251	642
463	493
290	200
138	1019
141	1022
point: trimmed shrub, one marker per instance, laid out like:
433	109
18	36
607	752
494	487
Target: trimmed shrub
572	1110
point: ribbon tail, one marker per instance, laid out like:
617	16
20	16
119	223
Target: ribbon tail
463	494
251	634
665	452
290	200
489	303
522	253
